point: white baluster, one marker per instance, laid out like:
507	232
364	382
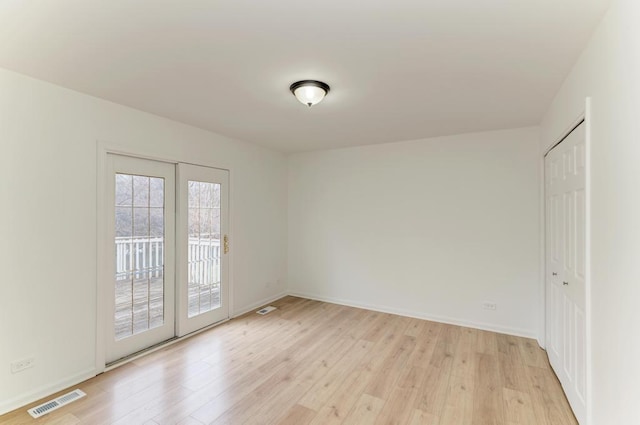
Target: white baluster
145	244
138	260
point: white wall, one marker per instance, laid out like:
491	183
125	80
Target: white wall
428	228
609	72
49	137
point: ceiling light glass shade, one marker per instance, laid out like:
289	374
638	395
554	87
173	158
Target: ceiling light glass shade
309	92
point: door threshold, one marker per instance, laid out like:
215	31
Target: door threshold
120	362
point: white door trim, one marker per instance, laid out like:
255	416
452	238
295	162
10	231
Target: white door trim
587	254
103	148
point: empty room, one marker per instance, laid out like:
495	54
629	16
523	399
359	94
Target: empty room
232	212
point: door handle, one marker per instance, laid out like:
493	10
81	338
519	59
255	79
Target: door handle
554	274
226	244
565	283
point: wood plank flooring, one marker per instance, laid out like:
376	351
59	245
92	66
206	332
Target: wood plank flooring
316	363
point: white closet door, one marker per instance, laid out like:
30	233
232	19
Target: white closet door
565	182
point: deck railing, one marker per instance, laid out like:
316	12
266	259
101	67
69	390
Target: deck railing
140	258
203	262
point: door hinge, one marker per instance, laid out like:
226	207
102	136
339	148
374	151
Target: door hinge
226	244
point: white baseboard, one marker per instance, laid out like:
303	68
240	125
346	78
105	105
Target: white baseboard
419	315
27	398
261	303
30	397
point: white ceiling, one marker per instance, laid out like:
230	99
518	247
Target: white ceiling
398	69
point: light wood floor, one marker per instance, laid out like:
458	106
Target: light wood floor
317	363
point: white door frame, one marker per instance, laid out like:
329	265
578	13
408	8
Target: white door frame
103	148
542	340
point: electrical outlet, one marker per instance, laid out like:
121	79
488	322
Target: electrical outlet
23	364
489	306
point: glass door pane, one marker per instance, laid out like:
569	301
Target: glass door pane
203	254
139	251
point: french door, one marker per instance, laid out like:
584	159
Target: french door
141	232
565	204
167	232
202	245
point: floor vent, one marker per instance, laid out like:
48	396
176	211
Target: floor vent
57	403
266	310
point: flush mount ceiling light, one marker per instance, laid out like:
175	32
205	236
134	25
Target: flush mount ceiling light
309	92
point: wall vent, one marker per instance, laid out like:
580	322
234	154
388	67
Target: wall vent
266	310
56	403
